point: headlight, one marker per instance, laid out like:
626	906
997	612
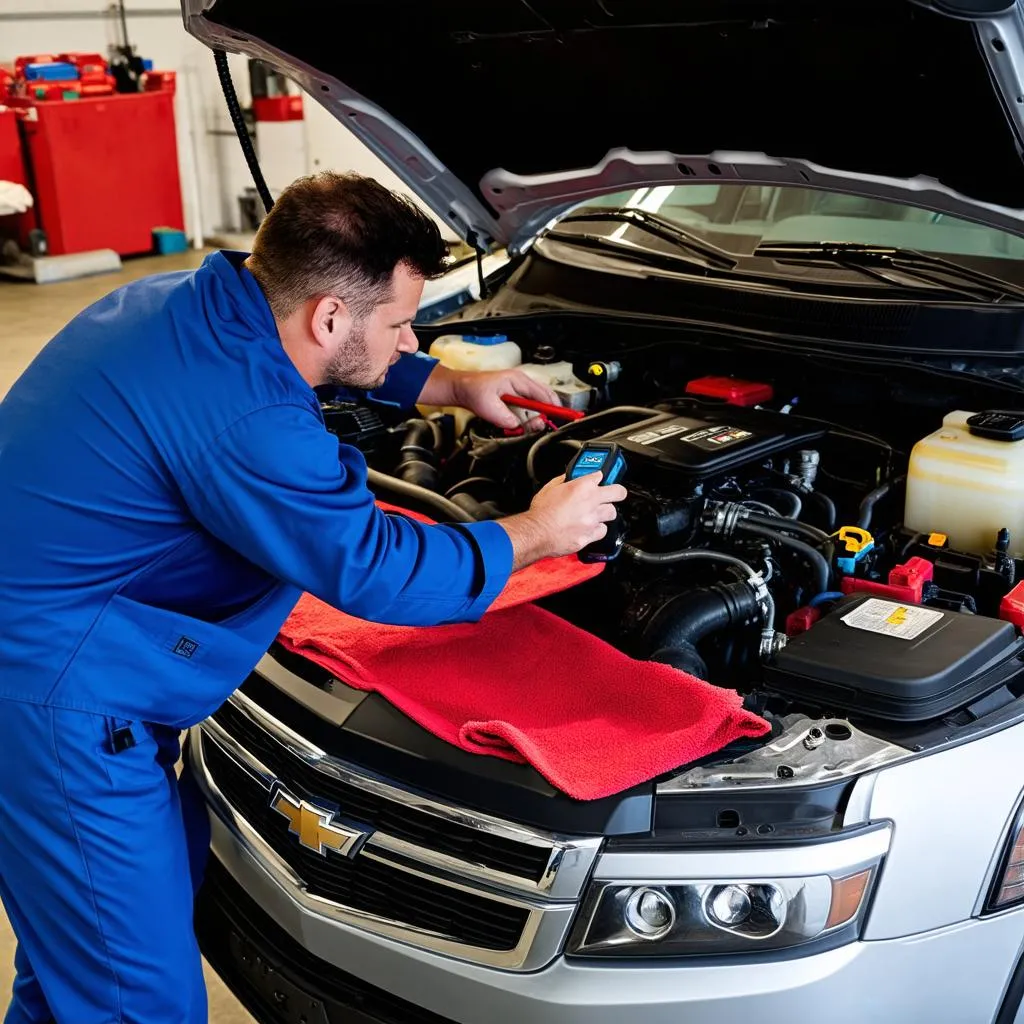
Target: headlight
1008	885
712	918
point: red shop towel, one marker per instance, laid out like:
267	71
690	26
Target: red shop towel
527	686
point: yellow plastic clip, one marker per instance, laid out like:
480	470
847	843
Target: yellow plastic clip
937	540
855	539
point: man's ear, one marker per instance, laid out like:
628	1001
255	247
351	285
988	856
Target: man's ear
331	323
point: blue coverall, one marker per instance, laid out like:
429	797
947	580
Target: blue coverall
167	490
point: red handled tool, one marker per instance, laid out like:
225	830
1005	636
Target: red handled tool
555	412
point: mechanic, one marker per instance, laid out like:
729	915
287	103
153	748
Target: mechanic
168	490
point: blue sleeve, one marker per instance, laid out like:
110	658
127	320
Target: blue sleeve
403	385
281	490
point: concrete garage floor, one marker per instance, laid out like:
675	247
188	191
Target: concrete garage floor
29	316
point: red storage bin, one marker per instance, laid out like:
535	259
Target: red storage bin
105	170
32	58
277	108
12	168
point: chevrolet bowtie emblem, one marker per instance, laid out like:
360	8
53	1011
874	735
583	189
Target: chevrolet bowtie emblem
314	826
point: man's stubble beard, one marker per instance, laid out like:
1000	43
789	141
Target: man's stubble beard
351	366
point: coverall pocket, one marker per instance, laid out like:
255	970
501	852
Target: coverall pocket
127	750
146	664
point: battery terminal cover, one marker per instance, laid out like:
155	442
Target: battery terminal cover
731	390
906	582
1011	608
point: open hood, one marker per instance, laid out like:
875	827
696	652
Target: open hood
502	114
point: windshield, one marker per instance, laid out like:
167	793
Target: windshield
739	218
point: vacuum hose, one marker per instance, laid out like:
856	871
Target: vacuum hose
728	519
809	533
827	506
565	432
814	558
776	496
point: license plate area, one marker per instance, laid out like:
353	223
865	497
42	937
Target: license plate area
286	1000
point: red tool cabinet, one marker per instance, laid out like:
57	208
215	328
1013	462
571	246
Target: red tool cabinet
104	170
12	168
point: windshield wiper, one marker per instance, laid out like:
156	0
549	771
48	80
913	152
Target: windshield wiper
874	260
654	225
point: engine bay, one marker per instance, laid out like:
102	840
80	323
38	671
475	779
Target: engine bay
764	545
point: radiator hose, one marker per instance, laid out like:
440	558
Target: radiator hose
866	512
676	629
417	459
416	498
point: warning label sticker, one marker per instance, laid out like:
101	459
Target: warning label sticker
655	434
713	438
903	621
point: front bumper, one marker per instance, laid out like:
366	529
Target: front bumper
356	978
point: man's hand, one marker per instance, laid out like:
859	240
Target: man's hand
481	393
563	518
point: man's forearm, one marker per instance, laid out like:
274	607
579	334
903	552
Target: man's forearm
530	540
563	518
440	387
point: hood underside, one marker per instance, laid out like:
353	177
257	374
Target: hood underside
503	114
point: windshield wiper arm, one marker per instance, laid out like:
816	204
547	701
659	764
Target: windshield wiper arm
924	266
661	228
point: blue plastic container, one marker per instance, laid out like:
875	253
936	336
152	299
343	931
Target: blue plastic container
169	240
55	72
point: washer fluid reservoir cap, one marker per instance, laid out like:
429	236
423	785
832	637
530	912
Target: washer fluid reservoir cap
997	425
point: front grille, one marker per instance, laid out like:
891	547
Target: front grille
425	830
361	884
239	940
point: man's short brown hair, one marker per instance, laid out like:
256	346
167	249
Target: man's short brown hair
344	235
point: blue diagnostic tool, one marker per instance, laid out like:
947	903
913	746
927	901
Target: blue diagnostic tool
598	457
607	459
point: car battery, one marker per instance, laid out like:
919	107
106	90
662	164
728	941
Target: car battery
896	661
105	170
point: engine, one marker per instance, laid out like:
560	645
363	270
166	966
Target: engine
760	549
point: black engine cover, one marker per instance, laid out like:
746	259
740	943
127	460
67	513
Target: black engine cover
702	441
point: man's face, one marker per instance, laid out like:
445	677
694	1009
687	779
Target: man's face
376	341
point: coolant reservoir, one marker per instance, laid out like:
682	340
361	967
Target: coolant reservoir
571	391
967	486
471	352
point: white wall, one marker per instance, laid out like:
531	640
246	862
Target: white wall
331	146
213	171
